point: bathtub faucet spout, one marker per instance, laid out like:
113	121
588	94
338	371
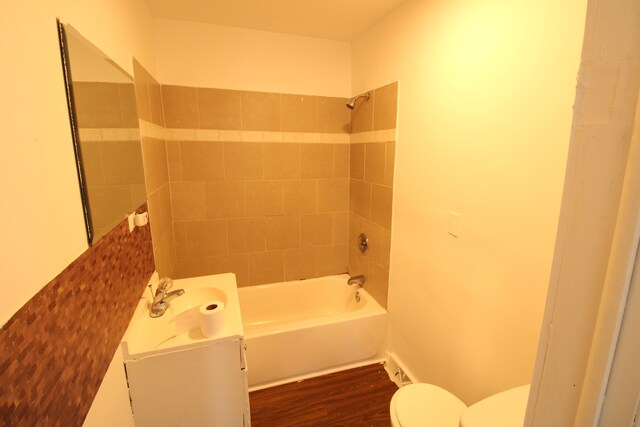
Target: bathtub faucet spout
356	280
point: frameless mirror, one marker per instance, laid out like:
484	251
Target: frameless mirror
106	135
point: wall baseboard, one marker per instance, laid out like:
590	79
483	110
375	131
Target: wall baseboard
397	371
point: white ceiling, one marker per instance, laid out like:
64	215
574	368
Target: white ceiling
328	19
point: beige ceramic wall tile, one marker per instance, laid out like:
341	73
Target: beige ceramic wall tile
260	111
243	160
385	107
174	162
282	232
390	159
340	231
377	284
97	105
206	238
154	155
333	195
180	239
356	161
281	161
374	163
263	198
333	115
160	215
381	198
358	263
220	109
332	259
138	194
386	249
142	91
202	160
122	162
360	198
155	101
374	233
300	196
188	201
225	199
300	264
246	235
299	113
148	95
355	228
92	162
341	160
316	160
193	267
237	264
316	229
266	267
180	107
362	115
164	256
128	110
108	203
99	233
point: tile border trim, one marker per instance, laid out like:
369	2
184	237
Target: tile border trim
109	134
387	135
152	130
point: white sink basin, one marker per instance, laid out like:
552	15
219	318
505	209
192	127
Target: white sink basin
179	327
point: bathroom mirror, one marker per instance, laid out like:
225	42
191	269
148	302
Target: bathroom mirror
106	134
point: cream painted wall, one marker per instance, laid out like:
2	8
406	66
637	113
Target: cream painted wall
42	215
485	96
202	55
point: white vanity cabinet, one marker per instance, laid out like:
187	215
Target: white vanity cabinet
176	376
205	386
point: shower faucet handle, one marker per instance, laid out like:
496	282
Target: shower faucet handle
363	243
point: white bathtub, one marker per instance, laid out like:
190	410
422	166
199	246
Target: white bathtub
300	329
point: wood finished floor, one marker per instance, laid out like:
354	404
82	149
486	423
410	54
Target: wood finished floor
353	398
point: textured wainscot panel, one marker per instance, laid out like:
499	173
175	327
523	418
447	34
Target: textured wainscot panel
56	349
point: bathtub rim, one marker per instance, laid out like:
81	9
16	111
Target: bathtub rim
370	308
344	276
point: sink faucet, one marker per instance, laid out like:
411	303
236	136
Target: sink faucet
161	297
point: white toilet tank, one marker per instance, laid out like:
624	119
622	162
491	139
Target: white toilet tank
506	409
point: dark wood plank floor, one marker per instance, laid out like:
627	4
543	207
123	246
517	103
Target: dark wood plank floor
353	398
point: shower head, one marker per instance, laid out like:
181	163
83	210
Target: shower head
351	105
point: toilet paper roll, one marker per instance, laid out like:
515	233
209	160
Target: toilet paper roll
141	219
211	318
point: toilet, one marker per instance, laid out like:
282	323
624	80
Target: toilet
427	405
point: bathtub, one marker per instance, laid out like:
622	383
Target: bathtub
300	329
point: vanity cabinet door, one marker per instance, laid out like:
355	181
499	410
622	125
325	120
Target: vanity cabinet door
203	386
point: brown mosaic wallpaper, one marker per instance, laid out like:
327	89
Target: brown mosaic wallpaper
55	351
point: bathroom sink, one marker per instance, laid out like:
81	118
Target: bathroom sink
193	298
179	327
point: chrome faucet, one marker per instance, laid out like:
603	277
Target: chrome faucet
161	297
356	280
359	282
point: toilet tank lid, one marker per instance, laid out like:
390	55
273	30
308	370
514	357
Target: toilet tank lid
427	405
505	409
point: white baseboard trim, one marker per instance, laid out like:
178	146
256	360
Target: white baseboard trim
397	371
